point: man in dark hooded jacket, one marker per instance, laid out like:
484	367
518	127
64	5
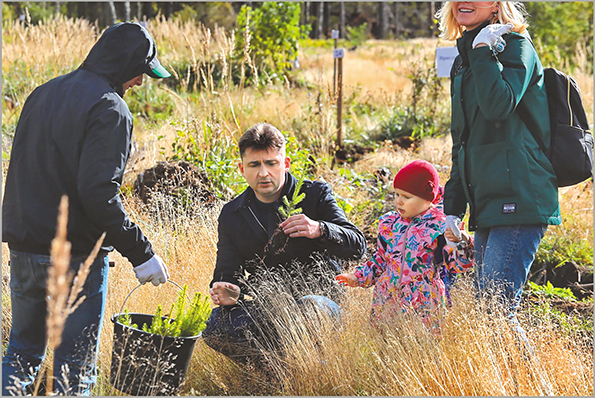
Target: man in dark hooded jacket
73	138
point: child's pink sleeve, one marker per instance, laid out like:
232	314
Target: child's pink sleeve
459	260
369	272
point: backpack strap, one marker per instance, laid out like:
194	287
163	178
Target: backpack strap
523	112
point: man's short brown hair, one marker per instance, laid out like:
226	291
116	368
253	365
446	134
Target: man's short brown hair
262	136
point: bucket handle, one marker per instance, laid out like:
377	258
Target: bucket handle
139	285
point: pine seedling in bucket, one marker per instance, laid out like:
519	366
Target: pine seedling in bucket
153	359
180	322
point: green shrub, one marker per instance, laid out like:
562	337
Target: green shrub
557	250
274	33
549	291
558	27
357	35
367	209
150	101
212	151
35	11
425	115
302	162
574	325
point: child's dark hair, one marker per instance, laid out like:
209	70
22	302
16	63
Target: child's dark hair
261	136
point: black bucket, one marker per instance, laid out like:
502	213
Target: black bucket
144	363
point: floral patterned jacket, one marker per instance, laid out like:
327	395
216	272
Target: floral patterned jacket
403	270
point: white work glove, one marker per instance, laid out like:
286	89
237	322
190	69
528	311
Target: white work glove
152	270
453	223
491	35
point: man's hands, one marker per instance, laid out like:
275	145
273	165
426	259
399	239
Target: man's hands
491	36
224	293
153	270
300	226
347	280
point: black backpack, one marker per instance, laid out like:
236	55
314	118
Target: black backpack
571	148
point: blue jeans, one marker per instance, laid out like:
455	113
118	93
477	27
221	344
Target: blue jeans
241	331
75	357
503	258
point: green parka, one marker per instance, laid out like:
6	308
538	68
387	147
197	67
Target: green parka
497	166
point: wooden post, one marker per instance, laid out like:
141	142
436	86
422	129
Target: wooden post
338	56
340	102
335	36
342	18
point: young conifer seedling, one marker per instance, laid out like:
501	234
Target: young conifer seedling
288	209
184	319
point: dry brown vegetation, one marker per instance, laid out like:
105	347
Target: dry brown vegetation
476	354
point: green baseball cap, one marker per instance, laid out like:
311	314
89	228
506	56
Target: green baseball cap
156	70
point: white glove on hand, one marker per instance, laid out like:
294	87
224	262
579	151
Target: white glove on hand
453	223
491	35
152	270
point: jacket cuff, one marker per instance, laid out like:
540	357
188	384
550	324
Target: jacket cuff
333	236
140	255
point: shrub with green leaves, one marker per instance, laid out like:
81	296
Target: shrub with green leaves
206	145
559	28
358	34
561	248
549	291
425	115
274	33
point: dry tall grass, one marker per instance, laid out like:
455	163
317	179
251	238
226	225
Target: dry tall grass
476	355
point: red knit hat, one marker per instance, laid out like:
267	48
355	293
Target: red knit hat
419	178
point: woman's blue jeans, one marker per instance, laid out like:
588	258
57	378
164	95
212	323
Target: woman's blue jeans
75	357
503	258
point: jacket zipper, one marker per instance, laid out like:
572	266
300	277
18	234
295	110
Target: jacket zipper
258	221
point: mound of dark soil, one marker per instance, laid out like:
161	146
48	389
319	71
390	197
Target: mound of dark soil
407	142
181	180
579	279
351	153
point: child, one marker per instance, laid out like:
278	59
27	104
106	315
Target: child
403	269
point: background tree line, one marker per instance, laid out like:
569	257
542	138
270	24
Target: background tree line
384	19
560	29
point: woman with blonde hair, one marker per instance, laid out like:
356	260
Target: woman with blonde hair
507	12
498	169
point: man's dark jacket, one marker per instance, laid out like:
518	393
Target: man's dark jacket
242	240
73	138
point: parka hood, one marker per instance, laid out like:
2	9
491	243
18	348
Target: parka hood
124	51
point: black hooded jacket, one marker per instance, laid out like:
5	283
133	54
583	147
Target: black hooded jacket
73	138
245	248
